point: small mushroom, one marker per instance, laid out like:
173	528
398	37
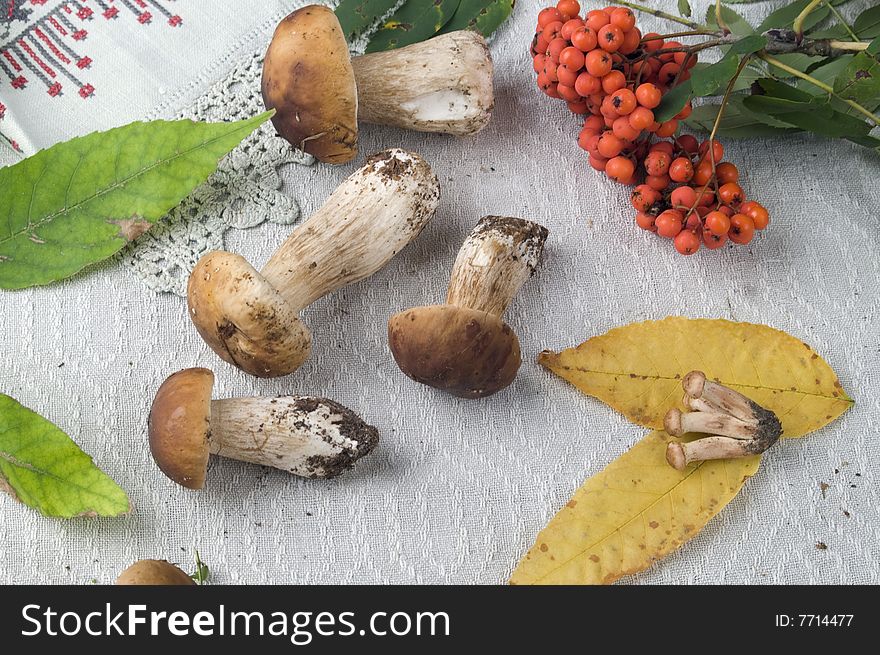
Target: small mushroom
742	427
464	347
319	92
153	572
310	437
251	319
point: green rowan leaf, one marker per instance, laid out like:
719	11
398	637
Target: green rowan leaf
357	16
415	21
737	24
41	467
867	25
684	8
484	16
860	80
80	201
785	16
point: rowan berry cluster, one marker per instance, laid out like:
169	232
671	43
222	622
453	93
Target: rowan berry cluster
605	69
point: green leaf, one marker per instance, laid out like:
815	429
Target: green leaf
867	25
737	122
715	75
41	467
484	16
684	8
357	16
796	60
779	89
812	117
784	16
737	24
80	201
874	47
415	21
836	31
673	101
748	44
860	80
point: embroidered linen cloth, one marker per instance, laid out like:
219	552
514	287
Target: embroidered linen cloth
456	490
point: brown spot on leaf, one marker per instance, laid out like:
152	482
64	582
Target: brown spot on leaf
543	548
654	524
131	228
594	558
571	503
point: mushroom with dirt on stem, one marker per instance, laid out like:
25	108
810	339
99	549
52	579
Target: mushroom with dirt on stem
464	346
153	572
304	435
251	319
739	426
319	92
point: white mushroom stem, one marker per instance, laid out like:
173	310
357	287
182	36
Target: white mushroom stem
718	396
443	84
679	454
367	220
677	424
311	437
496	259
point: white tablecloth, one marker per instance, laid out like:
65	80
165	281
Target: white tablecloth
457	490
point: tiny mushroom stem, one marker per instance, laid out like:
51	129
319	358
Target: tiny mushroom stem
463	346
318	92
306	436
740	426
251	319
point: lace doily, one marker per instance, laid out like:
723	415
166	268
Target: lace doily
243	192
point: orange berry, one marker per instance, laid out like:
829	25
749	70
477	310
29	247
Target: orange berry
598	162
631	41
742	229
667	129
717	149
587	85
620	169
549	15
669	223
550	70
614	81
670	56
668	73
684	113
623	18
731	194
568	8
657	163
687	242
645	221
569	27
643	197
659	182
726	172
565	76
717	223
641	118
687	143
610	38
623	130
597	19
579	108
609	145
584	39
683	197
652	44
703	173
623	101
554	50
756	211
681	169
551	31
648	95
594	123
538	62
572	58
713	241
662	146
598	63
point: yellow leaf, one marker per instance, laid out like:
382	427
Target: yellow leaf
637	369
636	511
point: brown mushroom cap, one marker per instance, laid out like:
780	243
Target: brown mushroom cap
179	426
153	572
243	318
309	81
466	352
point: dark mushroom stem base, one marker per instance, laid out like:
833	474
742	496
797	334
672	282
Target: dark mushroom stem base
464	346
740	427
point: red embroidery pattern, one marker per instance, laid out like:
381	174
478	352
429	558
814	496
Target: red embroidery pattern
47	50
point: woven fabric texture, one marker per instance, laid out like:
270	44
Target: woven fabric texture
457	490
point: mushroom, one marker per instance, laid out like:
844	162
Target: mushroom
307	436
153	572
251	319
464	347
742	426
319	92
